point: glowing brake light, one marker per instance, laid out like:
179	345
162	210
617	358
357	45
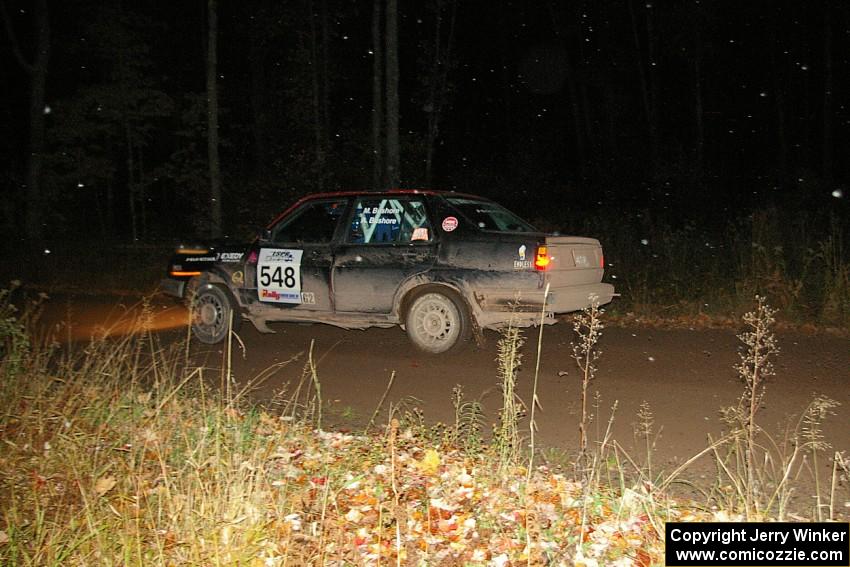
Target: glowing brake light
601	259
542	259
183	274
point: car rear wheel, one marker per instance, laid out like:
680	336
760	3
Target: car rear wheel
212	311
436	321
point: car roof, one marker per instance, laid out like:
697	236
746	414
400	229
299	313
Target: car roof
388	192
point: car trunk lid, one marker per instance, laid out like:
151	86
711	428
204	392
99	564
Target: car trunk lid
573	260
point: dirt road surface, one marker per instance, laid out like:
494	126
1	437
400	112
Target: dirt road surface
685	376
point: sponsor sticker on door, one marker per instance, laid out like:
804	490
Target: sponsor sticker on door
279	275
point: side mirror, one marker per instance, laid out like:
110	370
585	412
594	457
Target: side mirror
265	235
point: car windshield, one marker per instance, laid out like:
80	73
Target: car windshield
488	215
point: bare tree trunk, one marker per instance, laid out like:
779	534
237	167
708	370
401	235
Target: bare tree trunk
131	181
652	43
506	56
572	89
439	81
806	141
393	150
589	136
377	98
142	192
317	102
610	110
782	154
698	108
110	194
645	88
212	119
610	124
259	102
37	72
325	88
431	105
827	94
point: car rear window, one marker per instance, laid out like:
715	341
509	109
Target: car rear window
487	215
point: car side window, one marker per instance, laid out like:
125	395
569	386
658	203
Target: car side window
387	221
313	223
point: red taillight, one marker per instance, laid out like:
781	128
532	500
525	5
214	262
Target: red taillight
541	259
601	260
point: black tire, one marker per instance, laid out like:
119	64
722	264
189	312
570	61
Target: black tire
212	311
436	320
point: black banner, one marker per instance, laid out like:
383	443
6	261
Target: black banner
763	544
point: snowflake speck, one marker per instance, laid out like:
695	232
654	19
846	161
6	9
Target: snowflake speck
838	193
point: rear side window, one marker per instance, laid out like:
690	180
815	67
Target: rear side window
487	215
387	221
314	223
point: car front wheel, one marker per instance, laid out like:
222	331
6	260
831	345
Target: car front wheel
436	321
212	311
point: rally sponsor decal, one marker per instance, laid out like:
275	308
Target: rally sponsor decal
237	277
230	256
449	224
279	275
522	263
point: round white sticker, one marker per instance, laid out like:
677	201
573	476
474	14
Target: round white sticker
450	223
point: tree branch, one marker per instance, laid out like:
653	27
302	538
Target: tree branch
13	39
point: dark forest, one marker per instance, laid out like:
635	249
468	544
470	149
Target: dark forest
681	133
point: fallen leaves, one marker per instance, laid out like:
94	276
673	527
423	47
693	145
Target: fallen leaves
451	508
104	484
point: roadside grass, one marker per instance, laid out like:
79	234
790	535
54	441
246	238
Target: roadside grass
120	452
796	260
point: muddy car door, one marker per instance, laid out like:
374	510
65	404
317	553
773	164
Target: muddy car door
386	241
292	265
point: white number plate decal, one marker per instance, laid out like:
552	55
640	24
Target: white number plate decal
279	275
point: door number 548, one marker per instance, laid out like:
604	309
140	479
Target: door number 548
280	276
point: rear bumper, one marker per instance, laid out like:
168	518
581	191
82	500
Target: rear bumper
496	308
170	286
576	298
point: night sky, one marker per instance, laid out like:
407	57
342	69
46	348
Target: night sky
692	111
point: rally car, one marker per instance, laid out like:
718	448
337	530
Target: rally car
439	264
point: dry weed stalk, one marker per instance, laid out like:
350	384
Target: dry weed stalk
755	367
509	359
644	430
819	409
588	326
